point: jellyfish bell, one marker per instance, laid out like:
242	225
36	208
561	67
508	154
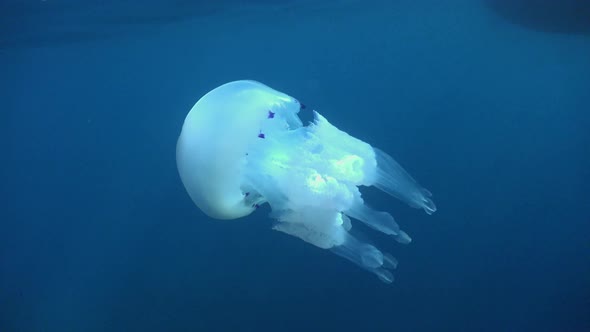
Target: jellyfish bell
243	145
215	139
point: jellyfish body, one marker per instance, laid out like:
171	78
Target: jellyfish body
243	145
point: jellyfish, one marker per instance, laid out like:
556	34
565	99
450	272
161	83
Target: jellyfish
243	145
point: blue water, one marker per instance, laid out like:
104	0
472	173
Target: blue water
486	104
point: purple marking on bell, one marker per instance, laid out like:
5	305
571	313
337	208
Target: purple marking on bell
271	114
261	135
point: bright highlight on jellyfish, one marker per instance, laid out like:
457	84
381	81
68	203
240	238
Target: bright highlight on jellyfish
243	145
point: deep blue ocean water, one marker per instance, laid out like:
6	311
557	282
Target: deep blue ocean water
485	102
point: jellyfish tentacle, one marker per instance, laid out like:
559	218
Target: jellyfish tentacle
403	237
389	261
384	275
378	220
393	179
367	257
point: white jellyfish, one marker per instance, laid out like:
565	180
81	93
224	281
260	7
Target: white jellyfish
243	145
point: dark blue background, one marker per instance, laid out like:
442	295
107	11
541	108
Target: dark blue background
485	106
